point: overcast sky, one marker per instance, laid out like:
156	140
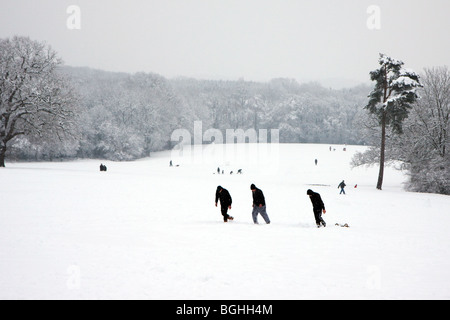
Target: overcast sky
231	39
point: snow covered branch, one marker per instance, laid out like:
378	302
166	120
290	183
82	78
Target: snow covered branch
33	97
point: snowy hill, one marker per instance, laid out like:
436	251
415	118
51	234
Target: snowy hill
145	230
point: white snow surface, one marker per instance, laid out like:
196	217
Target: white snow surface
144	230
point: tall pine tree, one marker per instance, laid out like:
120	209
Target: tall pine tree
391	99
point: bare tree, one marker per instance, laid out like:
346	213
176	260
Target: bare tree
34	99
433	110
427	140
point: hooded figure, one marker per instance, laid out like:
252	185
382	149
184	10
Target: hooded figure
259	205
318	207
225	202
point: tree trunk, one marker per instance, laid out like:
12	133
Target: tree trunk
383	147
383	130
2	157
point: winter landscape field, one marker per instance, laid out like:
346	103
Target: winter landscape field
144	230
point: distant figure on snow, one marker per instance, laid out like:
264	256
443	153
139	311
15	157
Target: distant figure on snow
315	161
259	205
239	171
342	186
170	164
225	202
318	207
218	170
102	167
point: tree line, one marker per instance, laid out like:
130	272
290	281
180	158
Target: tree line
421	146
121	116
50	111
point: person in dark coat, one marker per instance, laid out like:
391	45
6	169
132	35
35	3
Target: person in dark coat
318	207
342	186
259	205
225	202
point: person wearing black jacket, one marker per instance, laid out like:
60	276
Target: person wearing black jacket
225	202
259	205
318	207
342	186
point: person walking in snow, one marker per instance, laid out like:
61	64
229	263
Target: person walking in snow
225	202
259	205
318	207
342	186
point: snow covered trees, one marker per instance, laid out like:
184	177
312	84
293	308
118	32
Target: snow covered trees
425	144
34	99
391	99
125	117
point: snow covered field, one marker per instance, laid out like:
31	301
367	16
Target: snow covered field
144	230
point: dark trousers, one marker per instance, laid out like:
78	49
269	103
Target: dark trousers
225	214
318	216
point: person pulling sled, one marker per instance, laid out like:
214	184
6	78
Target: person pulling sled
225	202
318	207
259	205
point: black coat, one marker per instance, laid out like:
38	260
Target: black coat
258	198
224	197
317	202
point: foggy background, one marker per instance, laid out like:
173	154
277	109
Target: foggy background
324	40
